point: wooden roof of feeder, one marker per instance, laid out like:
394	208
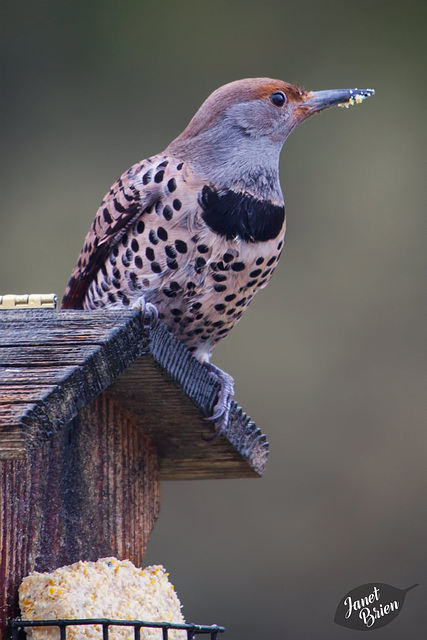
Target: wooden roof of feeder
54	363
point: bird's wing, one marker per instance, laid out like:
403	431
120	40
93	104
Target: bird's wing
132	194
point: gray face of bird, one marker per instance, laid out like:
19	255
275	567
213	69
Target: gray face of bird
237	135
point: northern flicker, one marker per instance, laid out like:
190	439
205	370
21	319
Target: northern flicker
198	229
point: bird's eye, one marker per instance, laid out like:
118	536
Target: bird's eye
278	98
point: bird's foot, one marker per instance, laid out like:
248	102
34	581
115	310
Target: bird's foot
221	411
149	312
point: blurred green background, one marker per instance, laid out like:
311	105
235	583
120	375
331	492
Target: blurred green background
328	359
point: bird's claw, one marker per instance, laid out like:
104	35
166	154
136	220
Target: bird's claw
221	411
149	312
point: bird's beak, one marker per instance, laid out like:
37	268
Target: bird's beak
318	100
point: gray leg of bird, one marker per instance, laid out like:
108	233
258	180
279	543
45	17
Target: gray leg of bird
149	312
222	408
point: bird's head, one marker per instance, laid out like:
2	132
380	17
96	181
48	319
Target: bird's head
241	127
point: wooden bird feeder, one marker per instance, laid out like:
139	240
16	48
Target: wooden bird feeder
95	410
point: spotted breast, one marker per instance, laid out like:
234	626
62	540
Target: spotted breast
197	254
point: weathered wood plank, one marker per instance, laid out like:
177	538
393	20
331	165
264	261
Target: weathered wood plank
35	375
46	355
165	411
72	386
10	393
168	391
91	491
72	318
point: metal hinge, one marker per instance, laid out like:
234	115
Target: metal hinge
28	301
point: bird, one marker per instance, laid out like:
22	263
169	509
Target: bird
191	234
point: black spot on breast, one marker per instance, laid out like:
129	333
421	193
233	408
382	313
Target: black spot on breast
259	261
169	293
228	257
116	283
177	204
222	332
133	281
135	245
179	166
171	185
172	264
140	227
175	286
238	266
181	246
156	267
162	233
153	237
163	164
220	287
196	305
111	297
271	261
123	298
252	283
138	262
159	176
147	177
218	277
238	215
170	251
225	267
255	273
230	297
149	253
199	264
167	213
202	248
125	260
220	307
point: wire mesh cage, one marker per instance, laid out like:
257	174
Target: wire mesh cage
192	630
